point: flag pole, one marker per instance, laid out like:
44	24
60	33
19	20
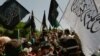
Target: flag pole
30	34
19	30
61	17
38	20
62	11
18	33
19	37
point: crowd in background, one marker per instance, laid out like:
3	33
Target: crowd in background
48	43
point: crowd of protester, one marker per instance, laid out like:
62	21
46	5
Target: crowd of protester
48	43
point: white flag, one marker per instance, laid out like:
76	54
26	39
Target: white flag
84	17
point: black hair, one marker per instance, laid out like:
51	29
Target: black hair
67	31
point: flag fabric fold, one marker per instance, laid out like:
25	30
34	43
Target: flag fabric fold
11	12
53	13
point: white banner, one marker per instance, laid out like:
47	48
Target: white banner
84	17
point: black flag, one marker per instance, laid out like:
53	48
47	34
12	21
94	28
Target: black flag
11	12
53	13
30	23
44	26
33	26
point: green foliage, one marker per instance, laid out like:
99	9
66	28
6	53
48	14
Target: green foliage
14	33
20	25
2	30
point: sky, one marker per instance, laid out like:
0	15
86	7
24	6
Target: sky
38	7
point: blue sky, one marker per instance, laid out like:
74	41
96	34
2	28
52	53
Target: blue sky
38	7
